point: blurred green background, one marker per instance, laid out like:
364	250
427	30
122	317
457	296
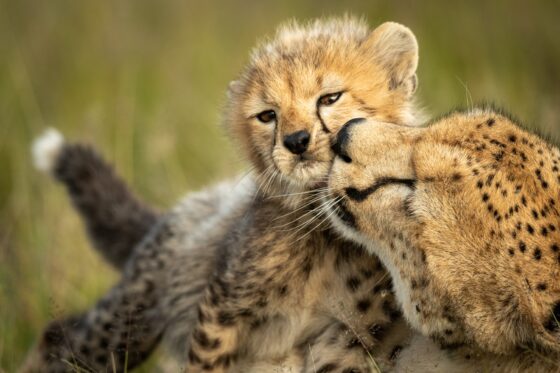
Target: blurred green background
144	81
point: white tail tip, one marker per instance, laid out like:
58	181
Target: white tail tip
45	149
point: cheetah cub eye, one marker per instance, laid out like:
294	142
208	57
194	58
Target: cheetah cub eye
329	99
266	116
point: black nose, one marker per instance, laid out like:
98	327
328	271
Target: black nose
340	147
297	142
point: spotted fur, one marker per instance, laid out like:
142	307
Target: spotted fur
467	223
278	283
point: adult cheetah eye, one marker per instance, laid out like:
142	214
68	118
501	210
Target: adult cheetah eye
266	116
329	99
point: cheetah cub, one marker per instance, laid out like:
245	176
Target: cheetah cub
464	215
283	273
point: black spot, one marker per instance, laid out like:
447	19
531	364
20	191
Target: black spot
490	122
258	322
327	368
377	331
84	350
245	312
544	231
512	138
353	283
485	197
352	370
522	246
204	341
367	273
395	352
193	357
479	184
530	229
226	318
511	252
224	360
541	286
101	359
307	267
537	254
363	305
392	312
498	156
554	247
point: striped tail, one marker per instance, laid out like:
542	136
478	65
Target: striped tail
115	219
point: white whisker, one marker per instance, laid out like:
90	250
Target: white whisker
319	224
303	206
323	209
300	193
264	175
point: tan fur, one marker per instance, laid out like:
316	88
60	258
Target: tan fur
467	227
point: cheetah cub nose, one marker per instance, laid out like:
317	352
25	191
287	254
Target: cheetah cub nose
297	142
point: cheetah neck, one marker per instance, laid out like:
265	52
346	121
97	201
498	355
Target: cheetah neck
424	304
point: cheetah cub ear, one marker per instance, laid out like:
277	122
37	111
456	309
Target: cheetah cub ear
395	48
233	88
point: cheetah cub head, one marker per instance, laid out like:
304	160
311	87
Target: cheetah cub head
301	86
465	215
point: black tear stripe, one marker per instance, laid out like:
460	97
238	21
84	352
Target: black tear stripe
360	195
323	125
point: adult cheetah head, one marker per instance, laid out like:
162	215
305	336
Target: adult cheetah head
464	213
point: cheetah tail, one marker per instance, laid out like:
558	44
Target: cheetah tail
115	219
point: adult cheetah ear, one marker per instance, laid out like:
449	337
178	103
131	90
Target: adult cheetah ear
395	48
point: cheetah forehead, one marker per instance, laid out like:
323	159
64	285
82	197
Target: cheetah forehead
297	37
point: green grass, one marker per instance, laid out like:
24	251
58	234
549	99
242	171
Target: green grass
144	81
